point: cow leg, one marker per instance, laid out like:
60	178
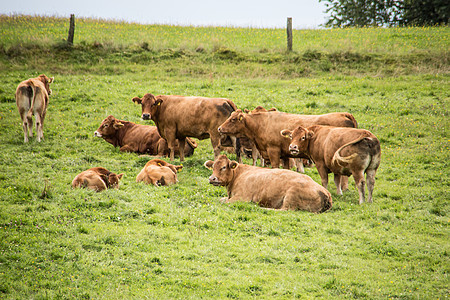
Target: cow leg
171	142
215	142
360	183
237	148
337	182
286	163
344	183
370	177
26	129
323	175
274	156
299	165
39	129
182	144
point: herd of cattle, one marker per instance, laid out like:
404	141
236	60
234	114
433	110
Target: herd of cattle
331	141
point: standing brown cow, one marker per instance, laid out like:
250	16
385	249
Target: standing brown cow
342	151
32	98
264	130
270	188
178	117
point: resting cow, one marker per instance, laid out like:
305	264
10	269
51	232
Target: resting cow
264	129
32	99
97	179
159	172
270	188
178	117
131	137
342	151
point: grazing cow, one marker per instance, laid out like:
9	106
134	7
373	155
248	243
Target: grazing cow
158	172
178	117
131	137
270	188
97	179
342	151
32	99
264	130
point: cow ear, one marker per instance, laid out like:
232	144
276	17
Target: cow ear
51	79
179	168
309	134
117	125
286	133
241	117
158	102
120	176
233	164
137	99
209	164
246	111
272	109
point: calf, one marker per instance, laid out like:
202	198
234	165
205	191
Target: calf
159	172
178	117
97	179
342	151
131	137
270	188
32	99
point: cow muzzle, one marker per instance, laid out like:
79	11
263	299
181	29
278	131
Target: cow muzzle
145	116
214	180
97	134
293	149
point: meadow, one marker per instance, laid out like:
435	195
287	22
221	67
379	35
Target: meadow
180	241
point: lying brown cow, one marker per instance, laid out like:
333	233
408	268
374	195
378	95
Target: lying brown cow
32	99
342	151
131	137
159	172
270	188
178	117
264	129
97	179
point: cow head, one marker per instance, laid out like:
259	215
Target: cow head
108	127
299	139
46	81
223	170
149	105
234	125
113	180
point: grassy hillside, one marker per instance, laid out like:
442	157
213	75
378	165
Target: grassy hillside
180	241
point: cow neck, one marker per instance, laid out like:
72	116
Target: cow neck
310	147
236	173
122	131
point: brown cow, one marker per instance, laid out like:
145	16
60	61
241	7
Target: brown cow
342	151
159	172
97	179
131	137
264	129
32	98
178	117
270	188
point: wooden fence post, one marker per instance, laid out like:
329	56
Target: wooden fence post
289	34
71	30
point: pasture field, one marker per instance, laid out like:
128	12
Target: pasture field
180	241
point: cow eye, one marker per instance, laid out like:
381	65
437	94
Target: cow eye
223	168
233	120
106	125
303	138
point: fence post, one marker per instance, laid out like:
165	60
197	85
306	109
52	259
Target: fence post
289	34
71	30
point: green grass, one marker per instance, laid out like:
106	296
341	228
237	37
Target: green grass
180	241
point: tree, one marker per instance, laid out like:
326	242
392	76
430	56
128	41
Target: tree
359	13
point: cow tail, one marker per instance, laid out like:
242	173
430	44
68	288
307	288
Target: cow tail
352	118
33	97
344	161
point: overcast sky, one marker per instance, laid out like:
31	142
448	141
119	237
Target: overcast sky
243	13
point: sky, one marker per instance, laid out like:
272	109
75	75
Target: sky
306	14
